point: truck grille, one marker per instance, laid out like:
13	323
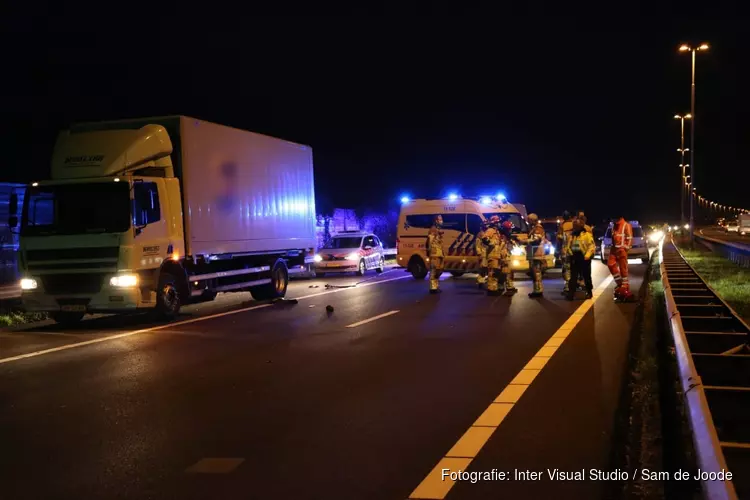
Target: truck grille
74	253
63	284
72	258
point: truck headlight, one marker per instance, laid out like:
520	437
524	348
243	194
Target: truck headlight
28	284
318	258
353	256
517	251
124	280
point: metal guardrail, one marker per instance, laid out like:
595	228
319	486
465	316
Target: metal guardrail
735	252
714	369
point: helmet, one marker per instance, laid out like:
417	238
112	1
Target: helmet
566	214
494	220
507	226
533	218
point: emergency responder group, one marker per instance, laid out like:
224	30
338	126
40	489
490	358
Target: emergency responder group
575	239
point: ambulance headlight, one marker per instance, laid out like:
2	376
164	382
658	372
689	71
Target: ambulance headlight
517	251
28	284
318	258
124	280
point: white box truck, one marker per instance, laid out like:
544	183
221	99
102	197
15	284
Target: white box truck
159	212
743	224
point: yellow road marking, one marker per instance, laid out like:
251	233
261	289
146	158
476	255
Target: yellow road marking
525	376
434	484
546	352
512	393
494	414
537	363
437	485
471	442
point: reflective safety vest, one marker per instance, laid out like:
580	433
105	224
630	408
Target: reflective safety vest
622	235
564	233
435	243
535	244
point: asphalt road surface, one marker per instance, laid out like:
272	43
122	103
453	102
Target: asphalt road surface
721	234
239	400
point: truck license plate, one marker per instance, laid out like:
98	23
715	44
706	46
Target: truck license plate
74	308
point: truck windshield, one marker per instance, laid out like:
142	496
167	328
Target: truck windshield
76	209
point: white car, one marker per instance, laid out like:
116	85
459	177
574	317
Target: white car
639	250
732	227
350	252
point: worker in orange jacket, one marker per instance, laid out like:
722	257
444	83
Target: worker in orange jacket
622	240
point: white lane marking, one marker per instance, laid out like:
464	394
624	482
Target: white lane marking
437	484
177	323
374	318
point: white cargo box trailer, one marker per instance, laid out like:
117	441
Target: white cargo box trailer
211	208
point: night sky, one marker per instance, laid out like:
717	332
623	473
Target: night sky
558	114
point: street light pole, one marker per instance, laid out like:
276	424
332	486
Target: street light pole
692	148
685	48
683	166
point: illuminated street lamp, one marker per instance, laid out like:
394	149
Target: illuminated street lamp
687	48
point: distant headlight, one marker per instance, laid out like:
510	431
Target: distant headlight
550	249
318	258
124	280
656	236
28	284
517	251
353	256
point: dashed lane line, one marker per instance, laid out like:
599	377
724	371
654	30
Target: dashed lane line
178	323
437	484
374	318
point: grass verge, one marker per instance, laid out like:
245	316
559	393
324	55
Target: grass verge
729	280
11	316
637	443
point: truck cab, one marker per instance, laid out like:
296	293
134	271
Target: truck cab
114	231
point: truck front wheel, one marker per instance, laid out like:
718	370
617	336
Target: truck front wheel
278	285
168	297
67	318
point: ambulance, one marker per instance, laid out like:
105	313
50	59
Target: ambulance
462	220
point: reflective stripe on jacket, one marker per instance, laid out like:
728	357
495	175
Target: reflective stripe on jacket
536	241
585	242
622	235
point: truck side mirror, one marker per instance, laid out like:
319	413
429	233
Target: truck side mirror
13	221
